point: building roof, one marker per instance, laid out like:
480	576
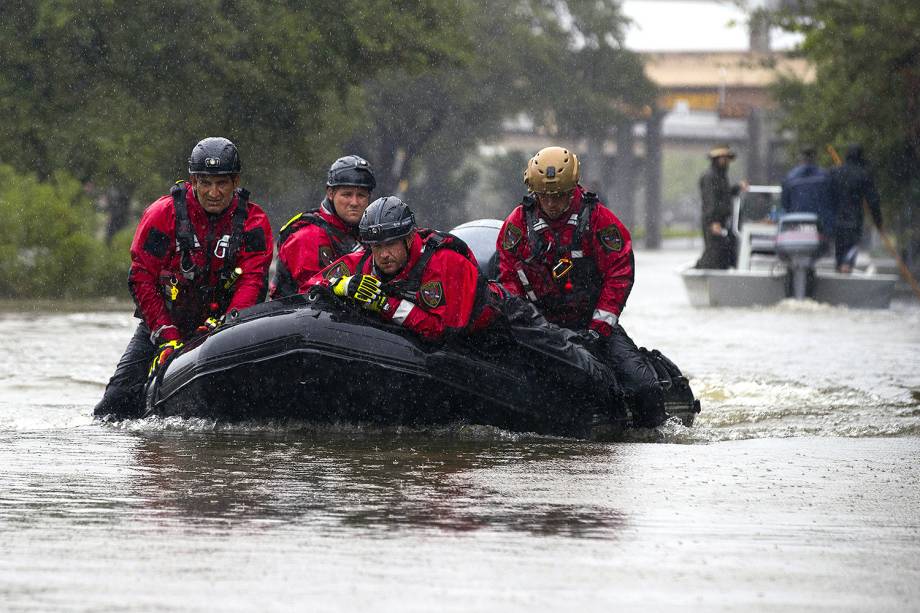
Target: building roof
725	69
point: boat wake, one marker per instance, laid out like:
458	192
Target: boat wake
780	409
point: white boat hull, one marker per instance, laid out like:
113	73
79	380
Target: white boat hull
744	288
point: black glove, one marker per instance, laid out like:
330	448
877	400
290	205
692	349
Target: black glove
520	312
590	340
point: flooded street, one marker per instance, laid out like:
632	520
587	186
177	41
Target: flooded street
797	490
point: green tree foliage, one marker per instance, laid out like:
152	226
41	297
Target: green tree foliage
504	182
581	77
118	92
866	87
47	247
115	93
560	63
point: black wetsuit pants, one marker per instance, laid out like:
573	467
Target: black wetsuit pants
124	395
719	252
846	245
637	378
630	367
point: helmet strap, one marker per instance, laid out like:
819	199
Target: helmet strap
329	203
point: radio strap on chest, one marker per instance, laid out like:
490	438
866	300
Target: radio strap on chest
237	223
537	226
185	234
588	202
534	238
185	237
342	242
568	257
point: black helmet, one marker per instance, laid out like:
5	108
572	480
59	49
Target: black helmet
386	219
351	170
214	156
855	154
809	154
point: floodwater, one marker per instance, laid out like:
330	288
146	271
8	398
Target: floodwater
797	490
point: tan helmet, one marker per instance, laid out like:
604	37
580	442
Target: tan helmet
722	151
553	170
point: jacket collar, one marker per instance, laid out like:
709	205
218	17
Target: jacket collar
327	212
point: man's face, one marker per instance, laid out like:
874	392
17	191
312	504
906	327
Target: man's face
215	192
554	205
391	256
349	202
724	161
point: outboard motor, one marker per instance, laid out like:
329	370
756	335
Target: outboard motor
798	244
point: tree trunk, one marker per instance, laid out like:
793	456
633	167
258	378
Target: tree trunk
119	208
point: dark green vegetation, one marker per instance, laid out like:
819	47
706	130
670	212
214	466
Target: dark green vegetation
867	90
48	244
102	102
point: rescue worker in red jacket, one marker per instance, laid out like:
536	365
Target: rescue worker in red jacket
198	253
427	281
567	253
312	240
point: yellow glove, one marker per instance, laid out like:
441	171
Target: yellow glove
375	303
209	325
163	352
340	286
365	289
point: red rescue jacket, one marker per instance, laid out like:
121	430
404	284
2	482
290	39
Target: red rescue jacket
308	243
439	292
175	293
588	247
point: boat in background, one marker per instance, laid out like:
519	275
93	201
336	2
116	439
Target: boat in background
779	258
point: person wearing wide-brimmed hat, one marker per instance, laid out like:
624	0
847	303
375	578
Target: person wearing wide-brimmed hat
717	192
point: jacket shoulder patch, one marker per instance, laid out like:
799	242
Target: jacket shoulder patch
157	243
610	238
326	255
512	236
432	294
339	270
254	240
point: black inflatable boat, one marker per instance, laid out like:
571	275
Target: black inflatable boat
317	359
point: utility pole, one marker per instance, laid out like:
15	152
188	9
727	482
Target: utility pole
653	180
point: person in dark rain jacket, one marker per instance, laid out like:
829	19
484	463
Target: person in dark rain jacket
808	189
853	185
